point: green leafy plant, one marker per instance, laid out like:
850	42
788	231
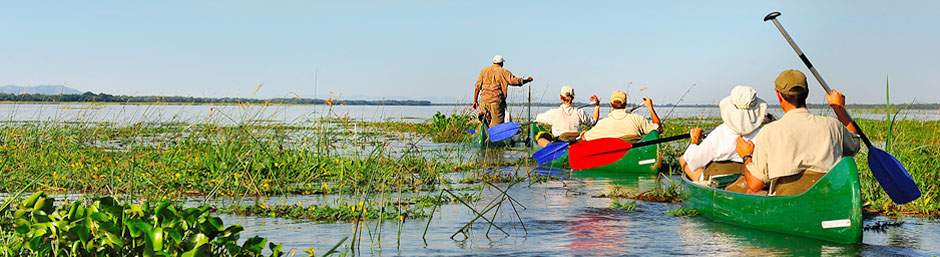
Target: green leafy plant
630	206
109	228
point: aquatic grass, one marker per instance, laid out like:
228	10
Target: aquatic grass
682	212
326	213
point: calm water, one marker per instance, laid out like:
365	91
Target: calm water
565	218
559	218
298	114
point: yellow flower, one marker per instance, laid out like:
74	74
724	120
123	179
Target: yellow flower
177	175
301	204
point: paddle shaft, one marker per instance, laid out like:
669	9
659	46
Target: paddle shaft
773	17
658	141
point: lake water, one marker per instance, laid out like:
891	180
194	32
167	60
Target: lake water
299	114
565	218
559	217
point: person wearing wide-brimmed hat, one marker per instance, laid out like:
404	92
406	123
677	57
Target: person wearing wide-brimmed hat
742	114
621	123
566	120
797	150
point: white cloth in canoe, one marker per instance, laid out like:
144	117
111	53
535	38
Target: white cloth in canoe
719	145
565	119
620	123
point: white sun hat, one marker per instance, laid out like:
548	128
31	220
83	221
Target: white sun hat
743	111
498	59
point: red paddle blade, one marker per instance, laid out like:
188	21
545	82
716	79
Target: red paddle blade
596	153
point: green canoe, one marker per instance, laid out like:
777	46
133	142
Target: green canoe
831	210
640	160
481	139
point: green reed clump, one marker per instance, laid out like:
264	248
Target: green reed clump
169	160
916	145
36	226
326	213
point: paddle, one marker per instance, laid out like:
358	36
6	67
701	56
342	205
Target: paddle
604	151
550	152
891	175
505	130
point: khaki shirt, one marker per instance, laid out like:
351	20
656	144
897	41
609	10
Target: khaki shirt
620	123
800	141
493	82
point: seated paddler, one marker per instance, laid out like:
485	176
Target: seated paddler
566	120
798	149
742	114
622	123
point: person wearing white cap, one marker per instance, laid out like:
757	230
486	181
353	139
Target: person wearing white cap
621	123
742	114
566	120
491	88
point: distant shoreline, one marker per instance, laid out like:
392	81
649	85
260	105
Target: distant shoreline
106	99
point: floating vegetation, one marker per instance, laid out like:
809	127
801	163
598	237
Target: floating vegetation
106	227
682	212
629	206
325	213
881	226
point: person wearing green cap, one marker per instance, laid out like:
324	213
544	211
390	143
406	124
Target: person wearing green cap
794	152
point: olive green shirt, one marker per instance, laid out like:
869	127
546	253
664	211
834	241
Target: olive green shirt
800	141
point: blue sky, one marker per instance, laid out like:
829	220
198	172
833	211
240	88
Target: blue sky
435	49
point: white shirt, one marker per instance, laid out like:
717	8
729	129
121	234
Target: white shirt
719	145
565	119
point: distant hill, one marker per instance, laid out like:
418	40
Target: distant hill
40	89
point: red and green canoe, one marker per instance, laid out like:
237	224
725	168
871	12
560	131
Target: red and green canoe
640	160
830	210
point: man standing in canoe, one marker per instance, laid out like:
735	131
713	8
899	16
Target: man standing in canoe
797	150
622	123
491	89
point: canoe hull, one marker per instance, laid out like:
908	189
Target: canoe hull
831	210
640	160
561	162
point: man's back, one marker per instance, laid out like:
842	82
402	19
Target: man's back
493	82
619	123
800	141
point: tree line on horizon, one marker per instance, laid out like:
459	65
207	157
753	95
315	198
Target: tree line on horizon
89	97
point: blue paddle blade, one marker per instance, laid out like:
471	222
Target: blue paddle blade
503	131
550	152
471	131
892	176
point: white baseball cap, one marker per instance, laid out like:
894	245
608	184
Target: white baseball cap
498	59
567	90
